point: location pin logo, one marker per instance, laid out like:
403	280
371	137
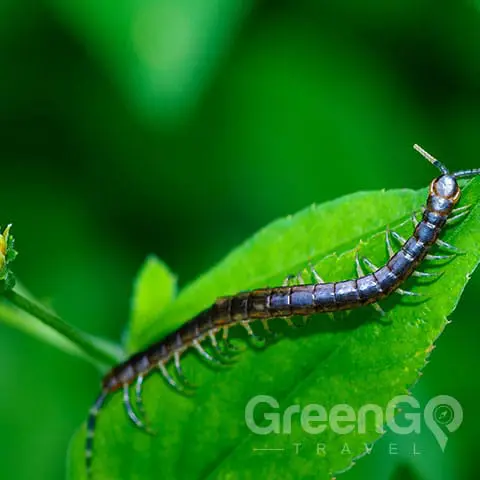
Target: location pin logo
443	413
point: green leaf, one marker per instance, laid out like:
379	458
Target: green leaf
154	289
357	359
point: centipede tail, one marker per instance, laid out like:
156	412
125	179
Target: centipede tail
293	298
90	433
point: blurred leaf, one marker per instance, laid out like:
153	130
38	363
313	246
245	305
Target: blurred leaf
154	289
287	96
356	360
162	54
13	14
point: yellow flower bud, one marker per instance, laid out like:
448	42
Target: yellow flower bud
3	245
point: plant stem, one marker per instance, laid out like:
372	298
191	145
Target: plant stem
77	337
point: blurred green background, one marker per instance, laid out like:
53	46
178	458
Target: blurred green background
181	127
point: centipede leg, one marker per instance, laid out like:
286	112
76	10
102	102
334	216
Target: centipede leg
457	210
417	273
128	407
205	355
230	347
269	334
408	293
448	246
287	281
370	265
179	370
378	308
266	327
140	405
218	350
429	256
248	328
361	273
390	249
290	322
255	340
316	276
414	220
454	219
90	432
458	213
398	237
291	280
169	379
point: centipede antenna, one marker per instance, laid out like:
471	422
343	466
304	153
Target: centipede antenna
467	173
431	159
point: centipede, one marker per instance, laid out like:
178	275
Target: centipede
292	298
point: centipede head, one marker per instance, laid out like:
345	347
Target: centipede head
446	185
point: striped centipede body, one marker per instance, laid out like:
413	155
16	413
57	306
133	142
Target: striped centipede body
289	300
